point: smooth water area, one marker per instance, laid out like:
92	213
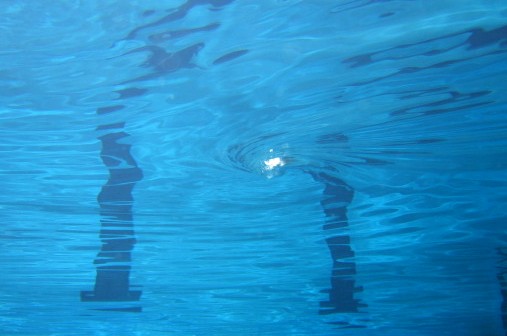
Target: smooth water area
227	167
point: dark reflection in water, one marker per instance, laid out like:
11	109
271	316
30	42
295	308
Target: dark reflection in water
336	197
174	34
178	14
117	234
114	260
471	39
162	62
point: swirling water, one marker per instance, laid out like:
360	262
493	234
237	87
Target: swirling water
237	121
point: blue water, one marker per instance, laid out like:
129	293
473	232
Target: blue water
221	167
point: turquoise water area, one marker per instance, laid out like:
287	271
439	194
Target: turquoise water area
238	167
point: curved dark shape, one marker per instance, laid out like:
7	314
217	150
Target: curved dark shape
230	56
475	39
481	38
117	234
336	197
175	34
163	62
179	13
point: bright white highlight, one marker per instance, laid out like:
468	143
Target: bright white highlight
273	163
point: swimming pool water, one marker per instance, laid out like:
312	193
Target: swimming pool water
225	167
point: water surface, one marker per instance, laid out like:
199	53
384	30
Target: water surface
250	136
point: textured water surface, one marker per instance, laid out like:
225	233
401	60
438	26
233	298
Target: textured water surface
221	167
